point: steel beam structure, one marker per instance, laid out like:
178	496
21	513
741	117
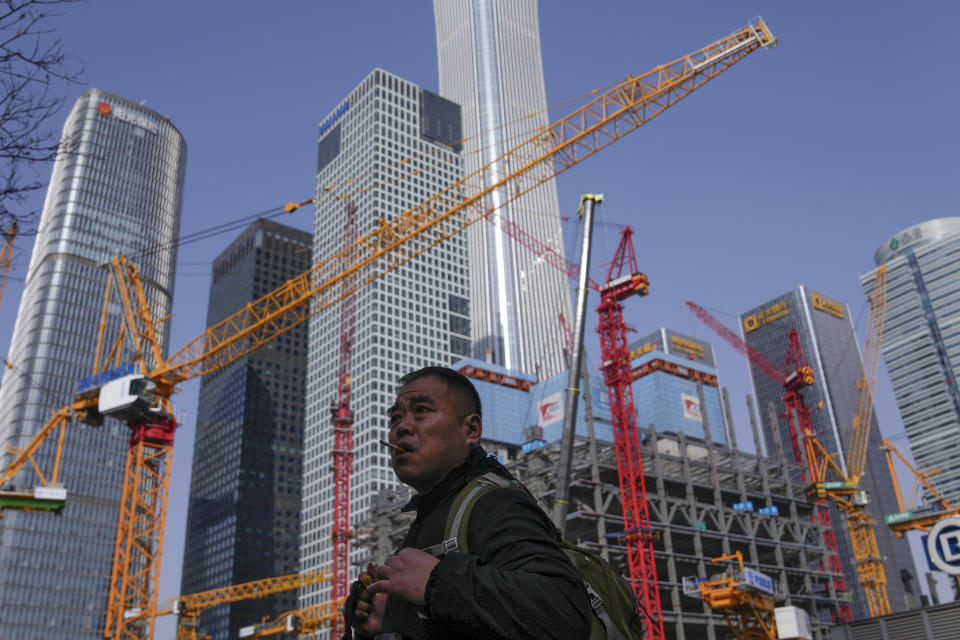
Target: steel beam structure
692	487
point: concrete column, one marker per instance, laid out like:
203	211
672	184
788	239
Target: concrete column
731	429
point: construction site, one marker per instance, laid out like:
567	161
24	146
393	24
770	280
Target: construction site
691	486
714	541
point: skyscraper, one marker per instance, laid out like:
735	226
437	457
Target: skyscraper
668	366
921	342
399	145
489	60
830	347
116	189
243	522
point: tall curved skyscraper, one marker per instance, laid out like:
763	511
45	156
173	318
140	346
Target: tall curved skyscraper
921	342
489	60
116	189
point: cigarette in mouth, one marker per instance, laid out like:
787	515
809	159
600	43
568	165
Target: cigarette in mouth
392	446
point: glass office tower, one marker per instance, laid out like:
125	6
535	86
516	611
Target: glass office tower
830	347
489	60
667	367
921	342
388	146
116	189
243	522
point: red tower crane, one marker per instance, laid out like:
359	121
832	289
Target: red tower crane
343	427
625	280
796	375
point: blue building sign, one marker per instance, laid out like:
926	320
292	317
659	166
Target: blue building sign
333	117
106	376
943	545
759	581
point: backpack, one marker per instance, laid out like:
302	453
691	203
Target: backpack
616	610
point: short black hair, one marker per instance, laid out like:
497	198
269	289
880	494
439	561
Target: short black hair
457	383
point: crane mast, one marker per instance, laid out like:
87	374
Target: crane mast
798	375
623	281
343	432
844	489
550	151
137	554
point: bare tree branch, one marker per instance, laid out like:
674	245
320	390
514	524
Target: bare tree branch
35	73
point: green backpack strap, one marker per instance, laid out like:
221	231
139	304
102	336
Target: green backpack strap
596	600
455	539
455	530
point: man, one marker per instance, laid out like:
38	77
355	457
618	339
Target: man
515	583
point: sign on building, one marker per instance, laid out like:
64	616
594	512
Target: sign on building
691	407
550	409
943	545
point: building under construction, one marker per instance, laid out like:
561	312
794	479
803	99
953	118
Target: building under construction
705	500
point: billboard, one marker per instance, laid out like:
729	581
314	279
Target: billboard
690	348
550	409
691	407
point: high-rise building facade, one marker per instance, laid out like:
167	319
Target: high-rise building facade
921	342
521	412
490	63
668	367
388	146
116	189
243	521
829	342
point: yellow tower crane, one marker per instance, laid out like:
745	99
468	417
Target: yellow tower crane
189	607
302	622
142	397
842	486
914	515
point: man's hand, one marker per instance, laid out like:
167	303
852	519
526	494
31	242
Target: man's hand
370	607
405	575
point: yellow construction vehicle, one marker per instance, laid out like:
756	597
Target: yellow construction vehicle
142	396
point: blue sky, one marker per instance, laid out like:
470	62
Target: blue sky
791	168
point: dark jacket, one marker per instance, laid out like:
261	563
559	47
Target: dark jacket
515	582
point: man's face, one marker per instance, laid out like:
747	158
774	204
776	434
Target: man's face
429	424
